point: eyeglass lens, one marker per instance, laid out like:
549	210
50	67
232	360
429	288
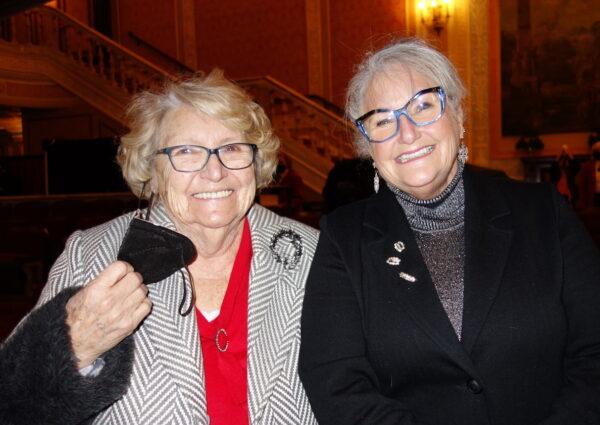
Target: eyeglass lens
422	109
234	156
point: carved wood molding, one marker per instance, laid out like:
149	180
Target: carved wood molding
52	70
21	88
53	47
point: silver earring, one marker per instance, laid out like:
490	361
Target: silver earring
376	181
463	153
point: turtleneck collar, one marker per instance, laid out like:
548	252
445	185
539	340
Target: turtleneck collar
442	212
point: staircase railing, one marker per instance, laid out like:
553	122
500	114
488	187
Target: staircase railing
315	136
295	117
51	29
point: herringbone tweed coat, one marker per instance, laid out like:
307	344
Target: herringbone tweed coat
167	383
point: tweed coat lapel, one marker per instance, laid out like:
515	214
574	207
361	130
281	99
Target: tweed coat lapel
488	236
175	337
388	224
273	304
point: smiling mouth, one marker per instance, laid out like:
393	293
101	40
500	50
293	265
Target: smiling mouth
213	195
416	154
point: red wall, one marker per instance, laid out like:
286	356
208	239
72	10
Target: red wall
254	38
356	27
152	21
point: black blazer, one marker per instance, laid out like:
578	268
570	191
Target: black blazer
379	349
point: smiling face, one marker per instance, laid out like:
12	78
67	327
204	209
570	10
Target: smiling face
420	161
214	197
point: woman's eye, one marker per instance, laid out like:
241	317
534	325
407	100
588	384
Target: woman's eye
230	148
183	151
384	122
423	106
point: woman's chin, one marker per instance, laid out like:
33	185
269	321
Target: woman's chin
422	187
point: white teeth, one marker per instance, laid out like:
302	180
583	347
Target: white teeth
416	154
213	195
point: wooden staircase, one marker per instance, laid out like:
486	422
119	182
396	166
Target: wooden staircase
43	47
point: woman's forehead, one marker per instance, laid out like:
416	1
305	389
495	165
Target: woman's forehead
392	88
185	122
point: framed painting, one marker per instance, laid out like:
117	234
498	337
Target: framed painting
549	71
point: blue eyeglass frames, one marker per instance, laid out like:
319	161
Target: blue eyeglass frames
424	108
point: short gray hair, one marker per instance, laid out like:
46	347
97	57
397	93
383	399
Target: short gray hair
416	55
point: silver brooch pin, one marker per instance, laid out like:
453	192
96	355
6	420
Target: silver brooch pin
282	243
408	277
399	246
395	261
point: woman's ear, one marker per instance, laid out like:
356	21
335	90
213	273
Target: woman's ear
460	120
159	169
369	150
153	185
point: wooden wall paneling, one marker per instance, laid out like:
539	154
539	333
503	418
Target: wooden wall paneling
78	123
78	9
185	17
318	48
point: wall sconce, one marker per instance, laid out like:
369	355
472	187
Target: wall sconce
434	14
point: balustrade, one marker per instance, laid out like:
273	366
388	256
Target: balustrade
299	121
53	30
295	117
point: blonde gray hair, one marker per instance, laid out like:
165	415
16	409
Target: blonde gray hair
417	56
212	95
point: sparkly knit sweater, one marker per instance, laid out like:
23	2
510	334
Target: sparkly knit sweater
438	226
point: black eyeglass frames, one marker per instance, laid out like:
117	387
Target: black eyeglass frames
190	158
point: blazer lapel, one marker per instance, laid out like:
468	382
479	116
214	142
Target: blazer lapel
272	306
175	337
419	298
488	236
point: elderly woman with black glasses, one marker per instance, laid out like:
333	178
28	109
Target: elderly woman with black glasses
450	296
198	149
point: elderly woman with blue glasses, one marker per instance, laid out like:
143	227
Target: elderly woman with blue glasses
187	312
450	296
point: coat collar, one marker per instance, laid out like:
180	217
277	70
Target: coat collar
486	252
488	237
279	268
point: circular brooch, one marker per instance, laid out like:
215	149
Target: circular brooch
286	236
222	340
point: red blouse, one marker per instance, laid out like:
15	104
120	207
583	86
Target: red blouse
224	344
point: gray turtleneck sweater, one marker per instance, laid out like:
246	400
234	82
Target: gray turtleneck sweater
438	225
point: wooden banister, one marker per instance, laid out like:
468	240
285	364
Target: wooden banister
54	30
312	136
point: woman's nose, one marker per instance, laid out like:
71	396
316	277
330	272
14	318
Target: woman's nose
408	131
213	169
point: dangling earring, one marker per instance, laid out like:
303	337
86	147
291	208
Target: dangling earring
376	180
463	153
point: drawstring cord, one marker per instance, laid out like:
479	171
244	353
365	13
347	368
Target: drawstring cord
193	299
138	214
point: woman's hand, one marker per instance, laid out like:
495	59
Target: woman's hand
106	311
